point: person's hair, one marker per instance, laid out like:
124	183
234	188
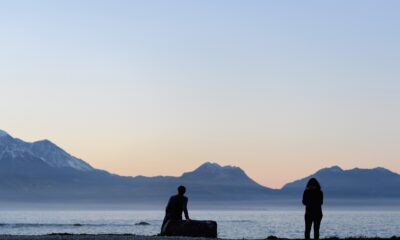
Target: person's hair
313	182
181	190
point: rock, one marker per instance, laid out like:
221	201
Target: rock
272	237
142	224
192	228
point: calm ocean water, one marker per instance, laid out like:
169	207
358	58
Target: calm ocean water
231	224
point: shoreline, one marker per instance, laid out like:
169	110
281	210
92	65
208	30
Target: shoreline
69	236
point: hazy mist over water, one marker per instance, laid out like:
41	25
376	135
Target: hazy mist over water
231	224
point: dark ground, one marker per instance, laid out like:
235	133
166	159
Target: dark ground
138	237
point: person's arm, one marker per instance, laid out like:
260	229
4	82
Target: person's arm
322	198
305	198
185	209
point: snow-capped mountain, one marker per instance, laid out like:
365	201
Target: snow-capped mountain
56	157
44	150
3	133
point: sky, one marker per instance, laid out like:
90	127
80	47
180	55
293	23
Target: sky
279	88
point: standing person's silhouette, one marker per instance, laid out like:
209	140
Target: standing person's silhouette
176	205
313	199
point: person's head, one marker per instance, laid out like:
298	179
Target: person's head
313	184
181	190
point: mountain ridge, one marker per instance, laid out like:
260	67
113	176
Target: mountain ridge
45	150
41	170
374	182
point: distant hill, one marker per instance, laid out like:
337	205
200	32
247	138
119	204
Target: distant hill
354	183
212	181
43	172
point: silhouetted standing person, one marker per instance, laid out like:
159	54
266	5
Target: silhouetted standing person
176	205
313	199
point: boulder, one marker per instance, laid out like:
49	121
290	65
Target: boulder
272	237
193	228
142	224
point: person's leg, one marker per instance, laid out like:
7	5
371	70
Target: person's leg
317	224
308	222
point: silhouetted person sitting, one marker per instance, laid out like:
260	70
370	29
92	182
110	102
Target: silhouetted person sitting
176	205
313	199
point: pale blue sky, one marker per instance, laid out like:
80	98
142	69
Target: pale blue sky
280	88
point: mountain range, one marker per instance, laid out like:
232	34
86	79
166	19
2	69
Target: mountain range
43	172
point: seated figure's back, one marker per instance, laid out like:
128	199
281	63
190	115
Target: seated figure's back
176	205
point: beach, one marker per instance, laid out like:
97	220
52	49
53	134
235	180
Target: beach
82	237
90	237
139	237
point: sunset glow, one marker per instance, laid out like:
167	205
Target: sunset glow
147	88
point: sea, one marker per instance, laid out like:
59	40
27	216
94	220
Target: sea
232	224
